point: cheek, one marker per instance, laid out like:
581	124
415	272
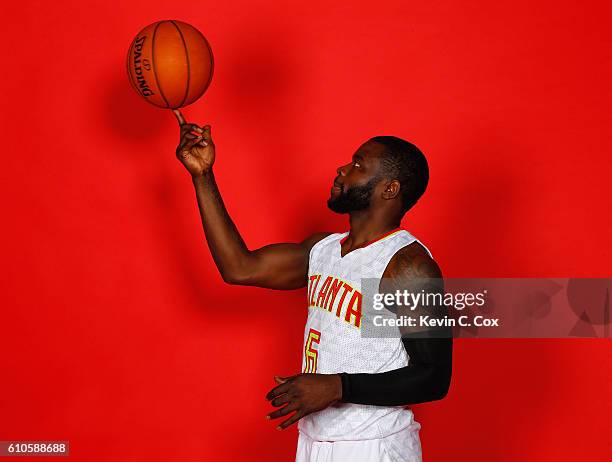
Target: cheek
356	177
367	179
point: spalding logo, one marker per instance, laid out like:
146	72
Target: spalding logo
143	86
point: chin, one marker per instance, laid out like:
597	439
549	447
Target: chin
333	206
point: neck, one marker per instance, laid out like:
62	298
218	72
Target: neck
368	225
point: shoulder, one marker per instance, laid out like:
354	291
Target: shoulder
412	261
310	241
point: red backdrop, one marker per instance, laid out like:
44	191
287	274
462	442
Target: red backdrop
118	334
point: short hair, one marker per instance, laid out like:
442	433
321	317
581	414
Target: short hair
404	162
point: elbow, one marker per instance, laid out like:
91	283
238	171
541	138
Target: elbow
240	271
229	278
438	385
442	389
233	278
440	394
238	276
433	394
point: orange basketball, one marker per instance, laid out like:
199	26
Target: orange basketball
170	64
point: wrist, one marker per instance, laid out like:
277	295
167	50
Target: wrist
201	177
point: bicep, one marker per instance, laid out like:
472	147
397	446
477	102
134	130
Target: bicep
282	266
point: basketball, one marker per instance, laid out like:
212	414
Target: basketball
170	64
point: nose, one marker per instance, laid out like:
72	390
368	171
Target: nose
341	170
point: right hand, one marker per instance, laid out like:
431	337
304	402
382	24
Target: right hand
196	149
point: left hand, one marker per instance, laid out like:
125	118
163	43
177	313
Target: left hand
303	394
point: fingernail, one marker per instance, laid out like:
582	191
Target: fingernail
278	428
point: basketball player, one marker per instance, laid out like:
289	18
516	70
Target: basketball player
350	399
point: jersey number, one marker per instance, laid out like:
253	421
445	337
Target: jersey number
310	352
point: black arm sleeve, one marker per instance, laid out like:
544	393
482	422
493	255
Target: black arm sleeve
426	378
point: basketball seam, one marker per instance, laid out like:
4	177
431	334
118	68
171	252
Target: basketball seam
212	61
161	92
188	65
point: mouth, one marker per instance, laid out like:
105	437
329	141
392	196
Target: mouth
336	188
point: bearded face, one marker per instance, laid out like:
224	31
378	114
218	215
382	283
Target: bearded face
353	199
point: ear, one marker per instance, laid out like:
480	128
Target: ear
392	190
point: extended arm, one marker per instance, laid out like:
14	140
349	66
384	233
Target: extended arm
277	266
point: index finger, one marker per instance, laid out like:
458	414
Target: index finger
179	117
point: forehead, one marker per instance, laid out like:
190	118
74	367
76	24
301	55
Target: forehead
370	150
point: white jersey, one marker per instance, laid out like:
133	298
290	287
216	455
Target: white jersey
333	341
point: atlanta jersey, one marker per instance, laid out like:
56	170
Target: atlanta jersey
333	341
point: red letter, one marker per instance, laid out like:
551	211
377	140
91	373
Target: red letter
331	294
347	289
354	310
314	289
323	291
310	282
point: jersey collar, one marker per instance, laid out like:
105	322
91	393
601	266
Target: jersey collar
380	238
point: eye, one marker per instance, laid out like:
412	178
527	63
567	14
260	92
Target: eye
356	164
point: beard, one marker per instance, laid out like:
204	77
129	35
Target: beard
353	199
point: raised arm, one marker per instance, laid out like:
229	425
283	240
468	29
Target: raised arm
277	266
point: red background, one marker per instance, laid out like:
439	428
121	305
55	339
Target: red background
118	334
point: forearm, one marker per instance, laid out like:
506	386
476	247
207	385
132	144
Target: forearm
226	245
399	387
426	378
